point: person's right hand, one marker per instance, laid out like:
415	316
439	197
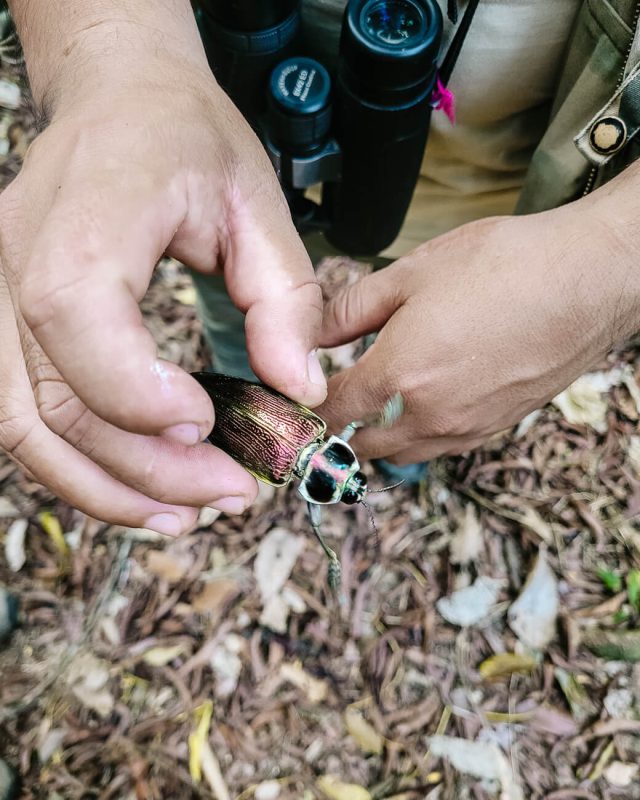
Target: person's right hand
162	163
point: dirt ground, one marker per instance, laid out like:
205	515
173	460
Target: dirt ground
488	648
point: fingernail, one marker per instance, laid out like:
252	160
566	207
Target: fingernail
235	504
314	370
165	523
186	433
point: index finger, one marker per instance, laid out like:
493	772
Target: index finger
90	264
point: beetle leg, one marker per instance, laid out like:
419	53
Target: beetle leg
333	571
348	432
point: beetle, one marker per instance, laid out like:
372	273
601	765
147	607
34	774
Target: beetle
277	440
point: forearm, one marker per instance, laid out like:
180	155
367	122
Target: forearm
76	46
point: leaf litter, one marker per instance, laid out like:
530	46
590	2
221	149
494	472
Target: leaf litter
141	671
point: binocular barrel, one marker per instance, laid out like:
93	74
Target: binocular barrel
361	135
244	40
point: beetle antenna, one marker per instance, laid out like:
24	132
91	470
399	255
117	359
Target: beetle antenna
386	488
374	527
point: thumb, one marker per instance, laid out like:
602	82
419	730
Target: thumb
270	278
364	307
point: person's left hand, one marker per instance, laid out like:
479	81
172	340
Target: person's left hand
478	328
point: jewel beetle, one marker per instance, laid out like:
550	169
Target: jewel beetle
277	440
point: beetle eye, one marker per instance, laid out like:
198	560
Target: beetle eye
349	497
320	486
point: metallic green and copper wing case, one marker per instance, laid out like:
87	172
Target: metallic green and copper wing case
258	427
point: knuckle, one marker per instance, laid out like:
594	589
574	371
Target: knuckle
41	301
16	427
65	414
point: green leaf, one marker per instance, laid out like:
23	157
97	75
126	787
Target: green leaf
613	645
611	580
622	615
633	588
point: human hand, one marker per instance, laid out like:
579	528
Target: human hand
479	327
151	158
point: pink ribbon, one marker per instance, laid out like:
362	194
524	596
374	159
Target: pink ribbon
443	99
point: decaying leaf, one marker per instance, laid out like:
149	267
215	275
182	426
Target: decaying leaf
503	664
213	773
633	453
483	760
275	614
267	790
9	95
335	789
532	520
467	541
533	615
621	774
49	740
277	554
88	678
366	736
7	509
227	665
581	704
14	544
583	403
619	704
472	604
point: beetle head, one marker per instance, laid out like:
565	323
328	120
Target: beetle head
355	489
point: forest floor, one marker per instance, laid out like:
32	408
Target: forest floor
488	648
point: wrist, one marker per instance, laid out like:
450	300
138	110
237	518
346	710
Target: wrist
76	51
608	253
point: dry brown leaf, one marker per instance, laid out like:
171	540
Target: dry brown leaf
467	542
215	595
172	567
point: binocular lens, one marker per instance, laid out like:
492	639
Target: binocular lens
393	23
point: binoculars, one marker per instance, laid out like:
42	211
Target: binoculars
359	133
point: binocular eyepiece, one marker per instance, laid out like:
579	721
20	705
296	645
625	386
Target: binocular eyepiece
360	133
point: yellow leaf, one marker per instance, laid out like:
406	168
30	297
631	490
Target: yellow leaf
314	688
51	526
366	736
506	663
334	789
197	739
161	656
